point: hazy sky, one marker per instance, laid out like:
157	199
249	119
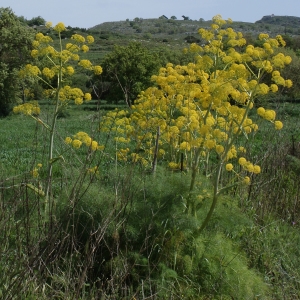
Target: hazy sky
88	13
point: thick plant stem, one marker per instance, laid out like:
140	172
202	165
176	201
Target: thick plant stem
195	165
215	198
154	164
50	157
51	141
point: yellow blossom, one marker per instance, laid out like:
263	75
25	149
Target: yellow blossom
97	70
94	170
256	169
68	140
185	146
246	180
70	70
269	114
274	88
94	145
87	97
229	167
35	173
48	72
219	149
261	111
288	83
78	101
78	38
278	125
173	165
76	143
90	39
85	63
59	27
249	167
242	161
242	149
84	48
48	24
28	108
34	53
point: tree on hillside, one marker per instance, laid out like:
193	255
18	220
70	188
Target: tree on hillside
37	21
185	18
14	53
129	69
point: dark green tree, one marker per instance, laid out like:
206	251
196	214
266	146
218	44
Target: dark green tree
15	45
129	69
36	21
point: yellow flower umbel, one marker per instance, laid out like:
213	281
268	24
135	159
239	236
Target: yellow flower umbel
35	171
83	138
31	108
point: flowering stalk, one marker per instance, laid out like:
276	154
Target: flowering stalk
52	132
63	94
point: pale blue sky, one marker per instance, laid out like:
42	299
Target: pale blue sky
88	13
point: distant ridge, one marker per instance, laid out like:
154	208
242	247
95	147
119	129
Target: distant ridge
186	30
280	20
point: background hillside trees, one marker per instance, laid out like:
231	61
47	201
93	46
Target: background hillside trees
15	43
129	69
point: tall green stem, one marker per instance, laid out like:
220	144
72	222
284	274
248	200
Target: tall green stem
51	139
195	165
215	198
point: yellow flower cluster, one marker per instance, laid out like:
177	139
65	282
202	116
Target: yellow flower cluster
203	106
269	115
35	171
248	166
29	71
86	64
97	70
28	94
59	27
83	138
122	154
67	93
28	108
49	73
94	170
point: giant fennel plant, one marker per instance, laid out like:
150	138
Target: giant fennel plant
201	110
57	66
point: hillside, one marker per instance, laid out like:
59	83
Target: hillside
288	24
170	29
175	34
